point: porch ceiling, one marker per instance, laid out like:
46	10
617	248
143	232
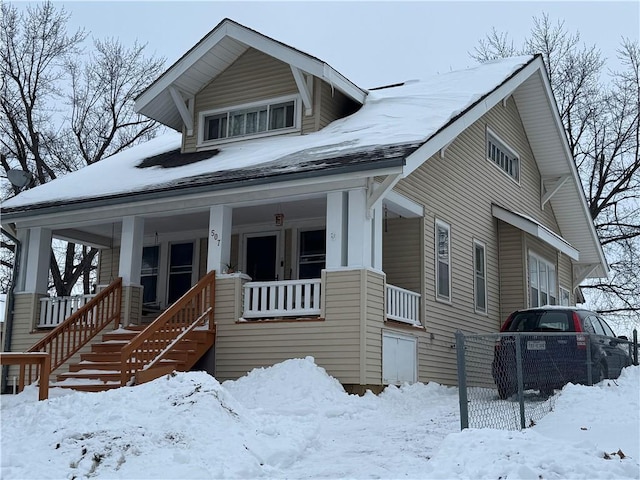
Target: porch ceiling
106	234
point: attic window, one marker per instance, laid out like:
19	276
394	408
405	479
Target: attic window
502	156
249	120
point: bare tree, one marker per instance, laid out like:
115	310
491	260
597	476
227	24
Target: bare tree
601	122
61	110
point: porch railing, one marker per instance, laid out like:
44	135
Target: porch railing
194	309
403	305
54	310
76	331
287	298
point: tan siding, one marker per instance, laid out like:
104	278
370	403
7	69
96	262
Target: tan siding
108	267
254	76
374	323
565	276
334	342
26	309
401	247
449	189
513	291
333	105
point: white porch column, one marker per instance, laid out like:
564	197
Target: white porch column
376	225
336	251
219	251
38	253
359	234
131	250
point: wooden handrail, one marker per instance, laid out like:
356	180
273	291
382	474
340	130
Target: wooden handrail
28	374
76	331
151	344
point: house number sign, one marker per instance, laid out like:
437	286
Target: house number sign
216	237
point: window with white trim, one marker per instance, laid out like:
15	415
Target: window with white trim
542	282
443	261
249	120
480	276
502	156
565	298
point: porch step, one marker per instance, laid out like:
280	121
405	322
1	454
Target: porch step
99	369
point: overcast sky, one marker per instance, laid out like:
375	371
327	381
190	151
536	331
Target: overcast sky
371	43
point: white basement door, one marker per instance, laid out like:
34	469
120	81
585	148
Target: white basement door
399	357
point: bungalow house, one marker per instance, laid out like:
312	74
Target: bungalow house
290	212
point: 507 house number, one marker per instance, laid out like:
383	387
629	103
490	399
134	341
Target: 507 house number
216	237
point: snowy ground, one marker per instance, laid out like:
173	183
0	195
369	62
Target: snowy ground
294	421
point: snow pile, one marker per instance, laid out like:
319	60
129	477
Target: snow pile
294	421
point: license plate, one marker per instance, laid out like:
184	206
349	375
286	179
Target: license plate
536	345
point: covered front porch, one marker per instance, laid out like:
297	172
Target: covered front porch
278	248
285	258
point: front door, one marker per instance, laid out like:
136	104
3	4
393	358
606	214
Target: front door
261	257
180	270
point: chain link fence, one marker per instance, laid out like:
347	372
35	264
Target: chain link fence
508	380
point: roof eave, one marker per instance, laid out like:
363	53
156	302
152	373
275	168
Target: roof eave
254	39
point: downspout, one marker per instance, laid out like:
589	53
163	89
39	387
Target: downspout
8	321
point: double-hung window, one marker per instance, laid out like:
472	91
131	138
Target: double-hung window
248	120
443	261
480	276
502	156
542	282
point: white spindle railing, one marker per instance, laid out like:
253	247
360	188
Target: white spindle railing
403	305
54	310
288	298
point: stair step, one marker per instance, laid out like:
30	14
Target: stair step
108	346
100	356
93	374
89	386
119	335
100	365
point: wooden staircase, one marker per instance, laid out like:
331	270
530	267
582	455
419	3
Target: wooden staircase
101	370
176	340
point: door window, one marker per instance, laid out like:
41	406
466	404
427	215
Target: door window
149	274
261	255
180	270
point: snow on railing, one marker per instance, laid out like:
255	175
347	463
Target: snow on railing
403	305
54	310
288	298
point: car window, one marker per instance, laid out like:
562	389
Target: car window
597	328
554	321
607	329
588	325
538	321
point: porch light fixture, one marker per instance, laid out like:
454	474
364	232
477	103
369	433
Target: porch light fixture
279	219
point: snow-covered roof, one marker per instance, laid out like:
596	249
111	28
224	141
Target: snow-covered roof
392	122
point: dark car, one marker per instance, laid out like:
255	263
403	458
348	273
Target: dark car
553	343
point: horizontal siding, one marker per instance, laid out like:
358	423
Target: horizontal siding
333	105
108	266
450	191
565	276
375	316
401	247
513	290
333	342
254	76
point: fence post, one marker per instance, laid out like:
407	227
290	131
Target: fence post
462	381
589	366
520	376
635	346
